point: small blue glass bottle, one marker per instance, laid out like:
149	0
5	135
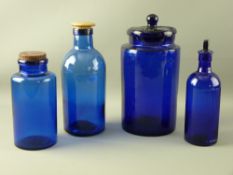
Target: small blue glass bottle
83	80
202	102
34	103
150	74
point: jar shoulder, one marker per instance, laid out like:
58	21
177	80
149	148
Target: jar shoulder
204	80
127	47
21	78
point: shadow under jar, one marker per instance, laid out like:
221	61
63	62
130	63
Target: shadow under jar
34	103
150	71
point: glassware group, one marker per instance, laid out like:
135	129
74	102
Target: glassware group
150	73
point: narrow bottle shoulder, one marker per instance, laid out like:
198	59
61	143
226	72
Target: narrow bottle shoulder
83	59
78	52
204	80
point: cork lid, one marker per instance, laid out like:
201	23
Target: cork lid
32	56
83	25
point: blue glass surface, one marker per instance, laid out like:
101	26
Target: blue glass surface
83	80
150	84
34	106
202	104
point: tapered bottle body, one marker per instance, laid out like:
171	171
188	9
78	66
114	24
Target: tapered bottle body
83	80
34	106
203	94
202	109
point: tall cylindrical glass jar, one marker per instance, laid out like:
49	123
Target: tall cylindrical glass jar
150	71
34	102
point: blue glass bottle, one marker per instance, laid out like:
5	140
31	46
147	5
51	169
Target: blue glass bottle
150	72
34	103
83	80
202	102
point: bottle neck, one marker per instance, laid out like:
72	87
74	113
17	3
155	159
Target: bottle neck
204	67
33	69
83	41
205	59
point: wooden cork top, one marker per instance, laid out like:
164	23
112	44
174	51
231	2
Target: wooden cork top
83	25
32	56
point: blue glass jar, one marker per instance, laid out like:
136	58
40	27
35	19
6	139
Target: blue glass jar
83	80
202	102
34	103
150	71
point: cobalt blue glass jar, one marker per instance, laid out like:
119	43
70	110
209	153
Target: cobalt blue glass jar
83	80
150	71
202	102
34	103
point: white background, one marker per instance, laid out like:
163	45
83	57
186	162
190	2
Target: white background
45	25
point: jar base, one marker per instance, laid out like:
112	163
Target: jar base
35	143
200	141
147	126
84	128
138	133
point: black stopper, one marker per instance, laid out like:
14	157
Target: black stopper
152	20
206	45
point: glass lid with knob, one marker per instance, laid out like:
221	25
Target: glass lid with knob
152	33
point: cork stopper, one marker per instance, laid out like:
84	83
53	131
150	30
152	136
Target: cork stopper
32	56
83	25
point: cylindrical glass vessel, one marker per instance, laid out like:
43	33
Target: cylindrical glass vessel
83	80
202	102
34	103
150	71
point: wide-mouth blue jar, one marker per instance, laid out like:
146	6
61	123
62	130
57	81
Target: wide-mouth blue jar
150	74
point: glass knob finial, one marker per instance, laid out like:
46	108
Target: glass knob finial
152	20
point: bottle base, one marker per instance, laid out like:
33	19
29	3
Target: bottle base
84	128
200	141
35	143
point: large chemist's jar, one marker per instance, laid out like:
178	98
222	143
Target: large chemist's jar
83	80
150	71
